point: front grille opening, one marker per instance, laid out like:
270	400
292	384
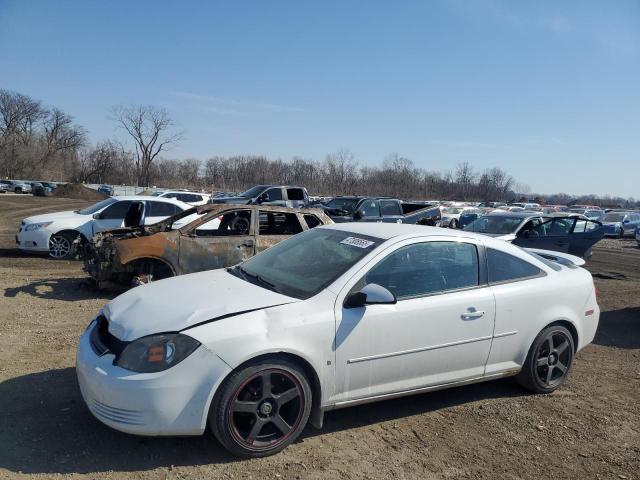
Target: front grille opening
102	341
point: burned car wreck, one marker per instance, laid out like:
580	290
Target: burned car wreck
222	236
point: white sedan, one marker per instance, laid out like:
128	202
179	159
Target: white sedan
332	317
55	233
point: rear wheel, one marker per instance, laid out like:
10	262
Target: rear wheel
147	271
61	245
261	408
549	360
453	223
621	233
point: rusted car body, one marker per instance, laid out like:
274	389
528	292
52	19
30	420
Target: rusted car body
222	236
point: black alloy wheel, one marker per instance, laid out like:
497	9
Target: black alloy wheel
261	409
549	360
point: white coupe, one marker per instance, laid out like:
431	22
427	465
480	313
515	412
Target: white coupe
55	233
332	317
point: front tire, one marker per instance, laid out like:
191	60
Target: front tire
261	408
549	360
61	246
453	223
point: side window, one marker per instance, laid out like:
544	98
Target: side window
274	194
162	209
295	194
172	195
312	221
389	207
591	226
504	267
116	211
580	226
370	208
235	223
560	226
279	223
189	197
427	268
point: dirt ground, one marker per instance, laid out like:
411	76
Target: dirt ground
590	428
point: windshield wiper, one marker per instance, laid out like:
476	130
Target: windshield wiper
258	278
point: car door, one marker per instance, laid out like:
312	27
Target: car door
273	226
439	331
369	211
390	211
158	211
549	234
113	216
584	235
217	241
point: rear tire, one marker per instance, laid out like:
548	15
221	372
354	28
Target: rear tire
453	223
549	360
261	408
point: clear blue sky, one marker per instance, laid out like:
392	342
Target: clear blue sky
547	90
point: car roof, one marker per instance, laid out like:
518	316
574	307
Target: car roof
521	214
142	198
387	231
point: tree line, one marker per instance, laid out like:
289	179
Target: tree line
40	142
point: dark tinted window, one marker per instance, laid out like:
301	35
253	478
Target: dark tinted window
274	194
312	221
370	208
504	267
295	194
116	211
277	223
389	207
162	209
427	268
189	197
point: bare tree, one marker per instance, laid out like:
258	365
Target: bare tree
152	131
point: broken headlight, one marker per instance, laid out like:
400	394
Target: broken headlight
156	353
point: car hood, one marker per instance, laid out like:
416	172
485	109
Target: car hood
173	304
52	217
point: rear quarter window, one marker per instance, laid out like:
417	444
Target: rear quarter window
503	267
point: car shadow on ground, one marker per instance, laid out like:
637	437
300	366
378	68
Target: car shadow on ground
68	289
619	328
15	253
47	429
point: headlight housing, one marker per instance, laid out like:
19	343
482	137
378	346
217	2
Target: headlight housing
156	353
36	226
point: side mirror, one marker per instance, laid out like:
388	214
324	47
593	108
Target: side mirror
358	214
263	198
97	216
625	221
371	294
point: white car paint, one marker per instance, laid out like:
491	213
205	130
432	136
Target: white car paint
32	239
175	194
359	355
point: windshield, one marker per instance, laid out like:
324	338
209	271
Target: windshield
347	204
614	217
494	224
97	206
307	263
253	192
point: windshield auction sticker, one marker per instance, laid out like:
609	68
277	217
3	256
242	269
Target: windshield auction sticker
357	242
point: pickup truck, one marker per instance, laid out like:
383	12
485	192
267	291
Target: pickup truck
280	195
381	209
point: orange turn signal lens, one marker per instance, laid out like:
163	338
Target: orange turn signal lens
155	353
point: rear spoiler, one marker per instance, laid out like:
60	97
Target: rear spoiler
559	257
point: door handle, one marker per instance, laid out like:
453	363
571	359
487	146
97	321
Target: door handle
472	314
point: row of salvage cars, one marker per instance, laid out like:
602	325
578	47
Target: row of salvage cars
262	341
